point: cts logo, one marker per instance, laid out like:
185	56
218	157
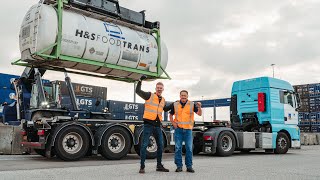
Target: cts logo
131	107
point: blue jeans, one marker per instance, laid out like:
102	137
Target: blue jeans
148	130
181	135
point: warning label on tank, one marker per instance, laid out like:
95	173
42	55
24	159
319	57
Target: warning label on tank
26	32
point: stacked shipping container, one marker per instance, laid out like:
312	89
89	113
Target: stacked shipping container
309	112
92	98
125	110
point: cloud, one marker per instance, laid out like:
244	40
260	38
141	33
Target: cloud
211	43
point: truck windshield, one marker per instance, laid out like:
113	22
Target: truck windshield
288	99
48	93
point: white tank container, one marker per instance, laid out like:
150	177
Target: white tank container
87	38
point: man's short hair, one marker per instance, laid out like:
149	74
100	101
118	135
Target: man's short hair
184	91
159	83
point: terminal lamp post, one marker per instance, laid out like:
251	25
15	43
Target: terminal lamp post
272	65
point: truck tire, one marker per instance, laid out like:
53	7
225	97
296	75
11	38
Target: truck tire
115	143
282	143
226	144
72	143
151	149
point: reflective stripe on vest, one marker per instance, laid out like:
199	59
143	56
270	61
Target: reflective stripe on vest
177	116
152	109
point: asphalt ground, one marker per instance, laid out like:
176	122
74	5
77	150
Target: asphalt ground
296	164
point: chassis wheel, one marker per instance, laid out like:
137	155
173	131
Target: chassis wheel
72	143
226	144
116	143
151	148
282	144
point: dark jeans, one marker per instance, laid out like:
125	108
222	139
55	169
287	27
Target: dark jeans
181	135
148	130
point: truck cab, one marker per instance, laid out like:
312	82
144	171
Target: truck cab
263	115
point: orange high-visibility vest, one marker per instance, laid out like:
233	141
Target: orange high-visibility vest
152	107
184	117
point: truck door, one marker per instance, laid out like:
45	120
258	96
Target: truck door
290	104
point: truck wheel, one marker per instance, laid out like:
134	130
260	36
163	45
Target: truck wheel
151	148
72	143
226	144
282	144
116	143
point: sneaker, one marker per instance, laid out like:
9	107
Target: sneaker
191	170
141	171
161	168
179	169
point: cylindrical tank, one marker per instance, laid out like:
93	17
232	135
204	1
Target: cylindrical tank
91	39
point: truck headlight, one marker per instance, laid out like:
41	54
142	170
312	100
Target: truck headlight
45	104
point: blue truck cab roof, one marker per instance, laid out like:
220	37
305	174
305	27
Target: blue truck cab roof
261	82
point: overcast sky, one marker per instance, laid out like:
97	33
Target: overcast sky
211	43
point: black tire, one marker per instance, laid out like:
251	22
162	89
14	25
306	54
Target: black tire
282	143
77	138
116	143
151	149
226	144
41	152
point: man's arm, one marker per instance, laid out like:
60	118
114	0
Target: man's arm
174	124
168	107
197	108
142	94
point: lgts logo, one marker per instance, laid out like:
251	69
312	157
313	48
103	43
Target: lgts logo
131	117
131	107
86	102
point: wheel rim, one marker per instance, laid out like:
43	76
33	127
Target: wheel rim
282	142
72	143
152	146
226	143
116	143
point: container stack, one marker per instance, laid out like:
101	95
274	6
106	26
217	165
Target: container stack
121	110
309	112
92	98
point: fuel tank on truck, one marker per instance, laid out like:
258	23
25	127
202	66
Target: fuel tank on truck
89	39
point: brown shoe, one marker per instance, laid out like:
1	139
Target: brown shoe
141	171
161	168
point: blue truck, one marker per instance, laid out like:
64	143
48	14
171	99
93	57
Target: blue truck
264	116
